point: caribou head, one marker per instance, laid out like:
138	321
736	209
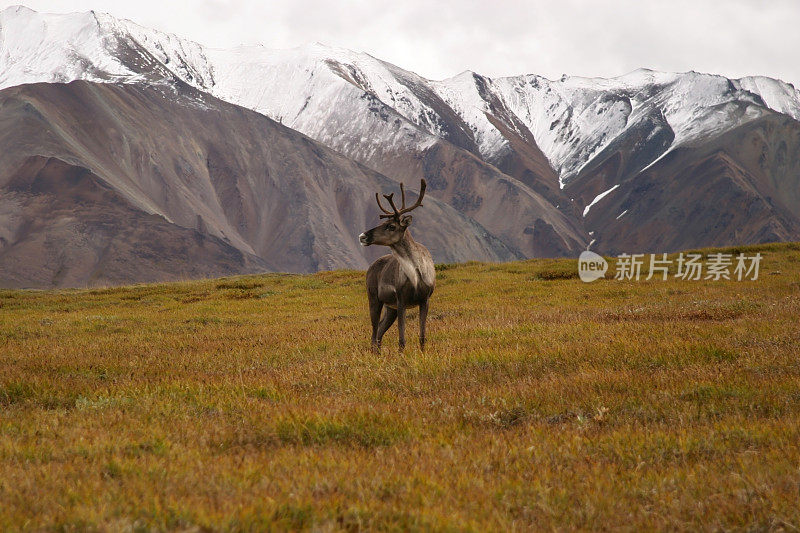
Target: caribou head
392	230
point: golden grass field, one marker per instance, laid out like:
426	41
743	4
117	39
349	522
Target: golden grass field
541	403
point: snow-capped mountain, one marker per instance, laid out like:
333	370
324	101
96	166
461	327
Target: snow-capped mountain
52	48
318	90
41	47
545	166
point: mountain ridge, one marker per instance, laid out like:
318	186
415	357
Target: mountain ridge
538	165
234	177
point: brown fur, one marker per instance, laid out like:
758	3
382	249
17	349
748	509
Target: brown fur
403	279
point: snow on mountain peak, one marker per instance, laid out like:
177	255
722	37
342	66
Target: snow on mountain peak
48	47
574	118
15	10
776	94
359	104
37	47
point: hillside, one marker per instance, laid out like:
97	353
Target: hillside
103	184
542	403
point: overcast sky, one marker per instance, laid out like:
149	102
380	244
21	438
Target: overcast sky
496	37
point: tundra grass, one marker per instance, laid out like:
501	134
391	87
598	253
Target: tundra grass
254	403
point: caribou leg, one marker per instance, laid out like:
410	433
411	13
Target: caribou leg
401	324
423	317
388	319
375	307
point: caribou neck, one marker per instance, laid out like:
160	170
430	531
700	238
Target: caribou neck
406	247
414	261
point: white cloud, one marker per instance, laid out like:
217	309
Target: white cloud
440	39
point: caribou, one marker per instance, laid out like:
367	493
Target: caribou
400	280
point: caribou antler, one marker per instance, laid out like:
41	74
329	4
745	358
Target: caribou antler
403	209
378	199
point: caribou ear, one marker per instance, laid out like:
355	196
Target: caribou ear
405	220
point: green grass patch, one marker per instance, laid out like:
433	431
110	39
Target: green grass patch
366	430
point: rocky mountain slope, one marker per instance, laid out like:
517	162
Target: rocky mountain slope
96	187
645	162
